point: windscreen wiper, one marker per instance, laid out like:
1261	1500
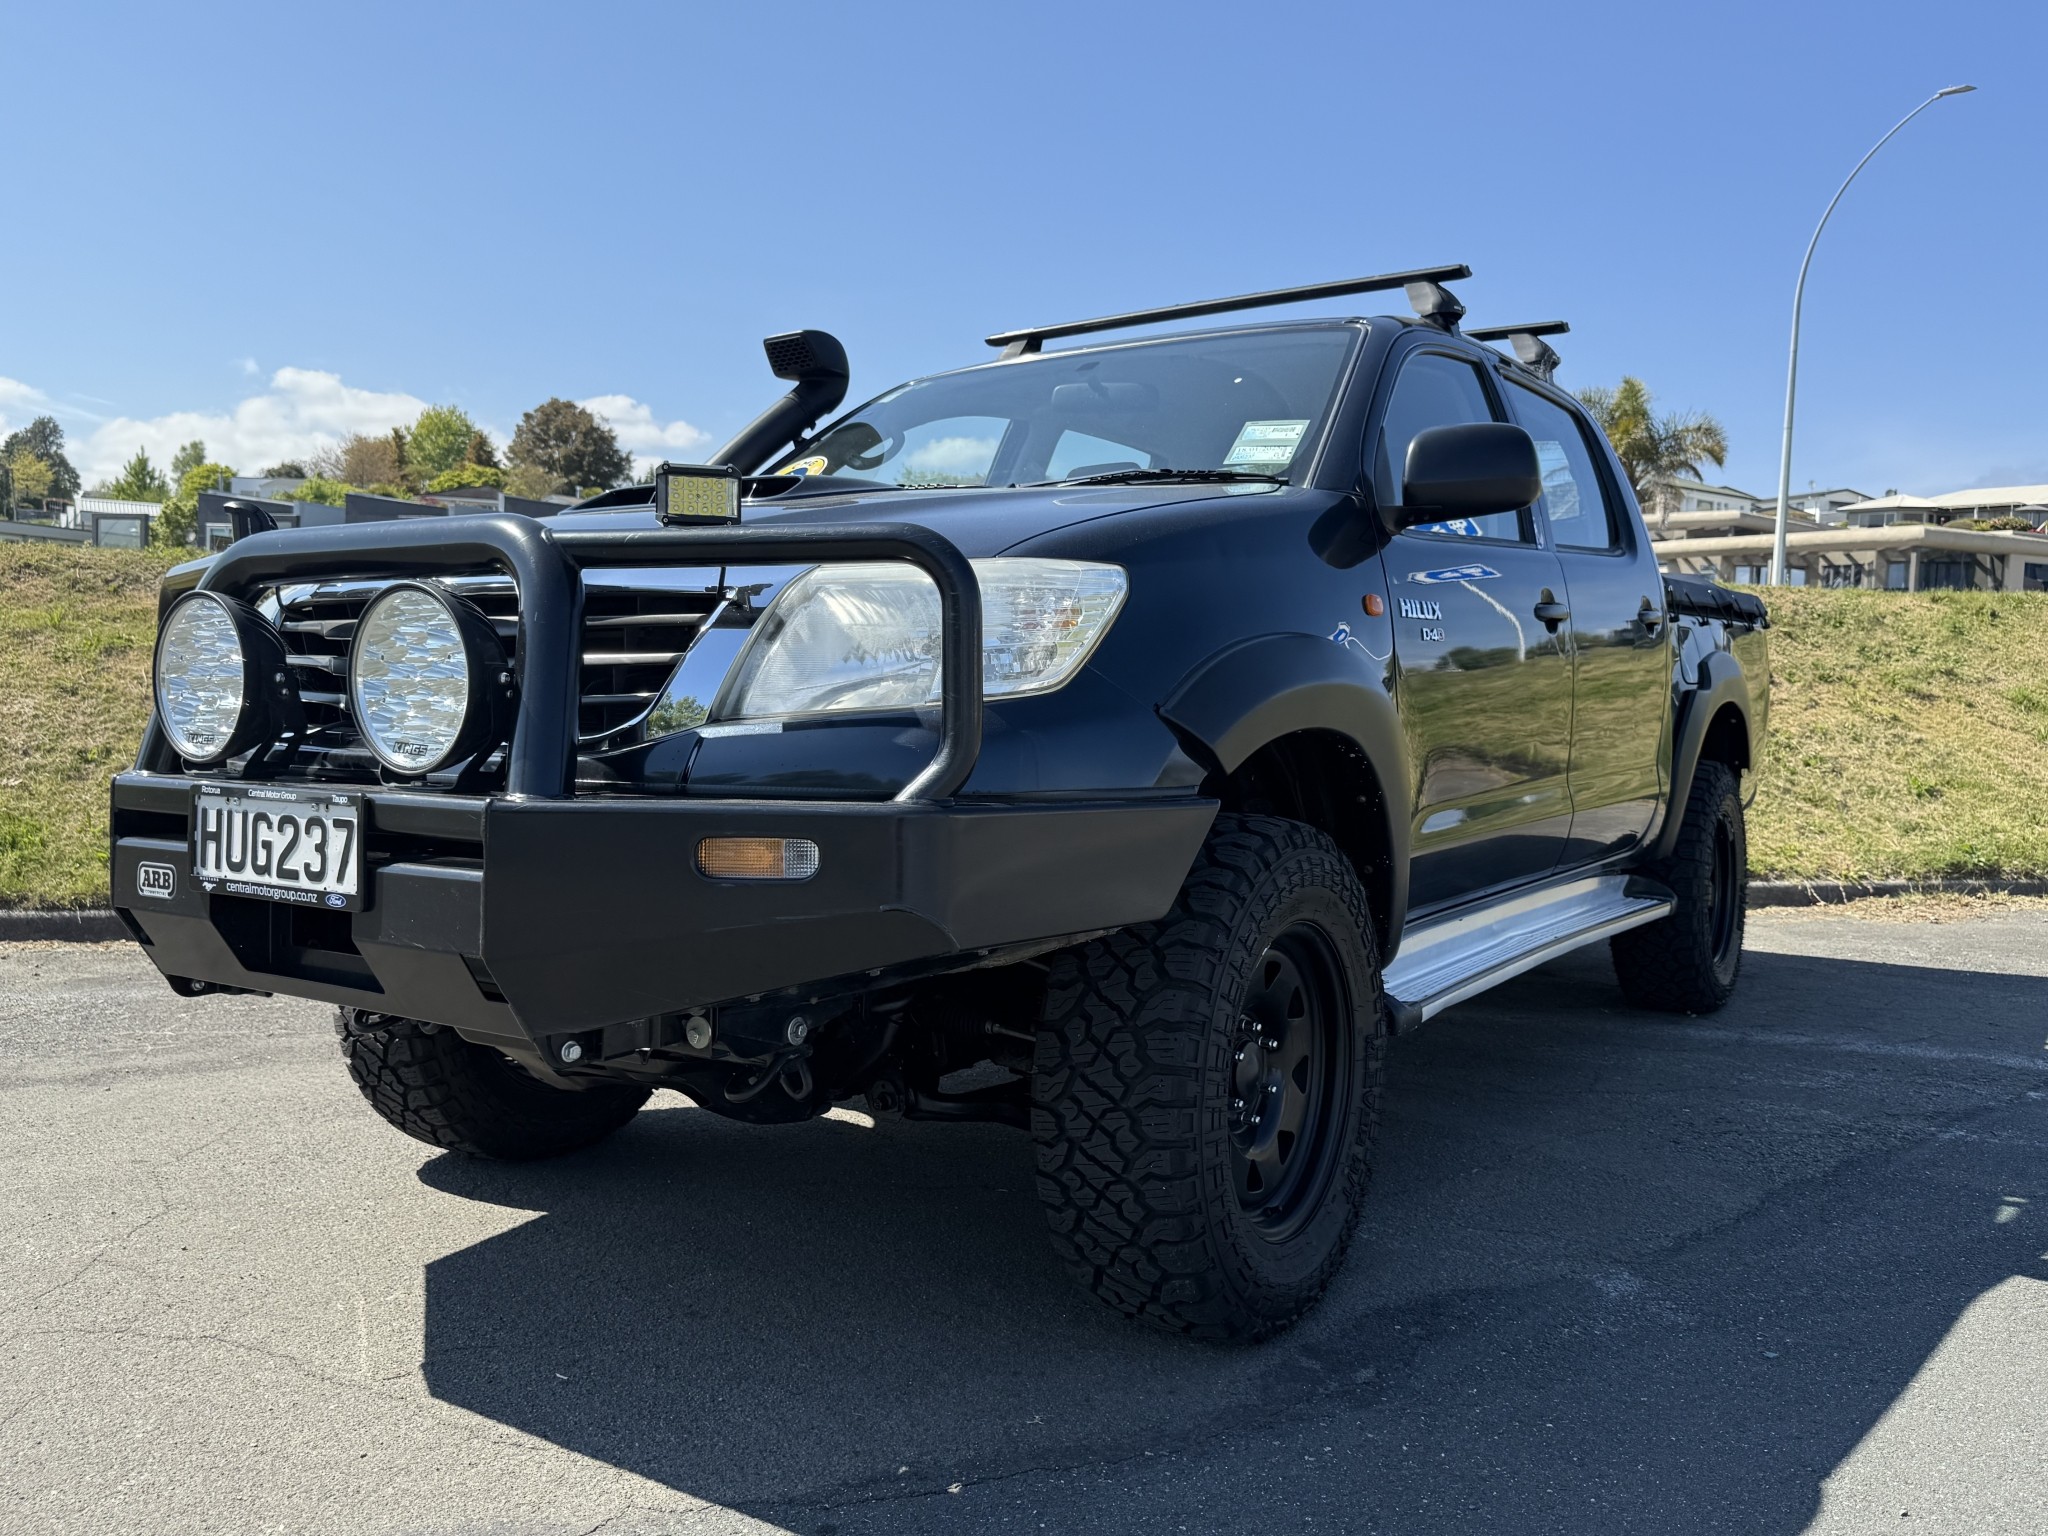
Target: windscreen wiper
1136	476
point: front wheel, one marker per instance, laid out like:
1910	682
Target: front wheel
439	1088
1688	962
1207	1089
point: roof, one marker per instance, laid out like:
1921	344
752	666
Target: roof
1950	501
1680	483
1897	536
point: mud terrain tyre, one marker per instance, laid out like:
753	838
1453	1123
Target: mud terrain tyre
1206	1090
439	1088
1688	962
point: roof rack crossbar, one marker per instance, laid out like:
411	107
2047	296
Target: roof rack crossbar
1022	342
1537	355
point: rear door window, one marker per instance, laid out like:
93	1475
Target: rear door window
1575	500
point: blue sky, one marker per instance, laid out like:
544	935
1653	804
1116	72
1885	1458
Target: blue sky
265	224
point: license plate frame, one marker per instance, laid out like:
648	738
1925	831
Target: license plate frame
230	855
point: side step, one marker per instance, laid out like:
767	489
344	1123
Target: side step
1459	956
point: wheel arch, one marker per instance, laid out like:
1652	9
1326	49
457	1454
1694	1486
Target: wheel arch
1713	726
1292	725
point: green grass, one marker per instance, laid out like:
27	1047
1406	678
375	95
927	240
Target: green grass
76	628
1909	737
1909	734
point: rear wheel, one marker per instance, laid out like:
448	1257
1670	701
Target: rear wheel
439	1088
1207	1088
1688	962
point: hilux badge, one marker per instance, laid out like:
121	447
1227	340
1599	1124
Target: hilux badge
1416	608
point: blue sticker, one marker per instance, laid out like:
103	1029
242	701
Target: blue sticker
1457	573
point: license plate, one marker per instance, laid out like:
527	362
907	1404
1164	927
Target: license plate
303	846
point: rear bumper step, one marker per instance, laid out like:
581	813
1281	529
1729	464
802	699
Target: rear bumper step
1447	961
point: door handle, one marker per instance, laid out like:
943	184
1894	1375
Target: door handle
1652	619
1552	612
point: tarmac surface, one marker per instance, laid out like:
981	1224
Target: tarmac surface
1781	1270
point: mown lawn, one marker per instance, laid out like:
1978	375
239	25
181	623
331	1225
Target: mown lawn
1909	733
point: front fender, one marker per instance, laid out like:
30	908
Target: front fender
1259	690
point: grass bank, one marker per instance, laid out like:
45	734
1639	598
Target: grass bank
1909	733
1909	736
76	629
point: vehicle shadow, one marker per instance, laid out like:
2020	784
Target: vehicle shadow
1600	1244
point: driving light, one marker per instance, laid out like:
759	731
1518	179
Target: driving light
758	858
427	679
221	682
866	636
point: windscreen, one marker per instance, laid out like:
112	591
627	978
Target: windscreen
1252	402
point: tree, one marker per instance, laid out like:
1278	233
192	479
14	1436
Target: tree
466	475
290	469
328	493
481	453
187	459
139	480
563	442
179	520
1655	448
439	440
45	440
29	476
358	460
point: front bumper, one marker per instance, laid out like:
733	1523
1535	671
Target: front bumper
518	919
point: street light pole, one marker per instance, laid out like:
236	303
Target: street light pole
1798	299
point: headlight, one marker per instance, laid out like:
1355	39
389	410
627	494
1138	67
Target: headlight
220	678
426	678
866	636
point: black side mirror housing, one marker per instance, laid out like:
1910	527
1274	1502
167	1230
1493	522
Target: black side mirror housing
1473	469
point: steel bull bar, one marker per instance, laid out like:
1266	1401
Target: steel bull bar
526	915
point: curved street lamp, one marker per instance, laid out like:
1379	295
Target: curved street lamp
1798	298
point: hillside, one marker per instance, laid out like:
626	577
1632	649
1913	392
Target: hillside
1910	733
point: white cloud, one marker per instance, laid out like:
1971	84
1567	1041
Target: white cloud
19	402
648	440
248	366
302	411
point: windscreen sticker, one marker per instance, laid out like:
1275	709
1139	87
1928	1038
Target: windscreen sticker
814	465
1265	443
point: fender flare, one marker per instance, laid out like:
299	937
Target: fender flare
1722	682
1247	695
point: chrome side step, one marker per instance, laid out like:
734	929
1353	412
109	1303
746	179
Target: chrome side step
1460	956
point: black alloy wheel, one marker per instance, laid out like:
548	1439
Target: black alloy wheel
1290	1053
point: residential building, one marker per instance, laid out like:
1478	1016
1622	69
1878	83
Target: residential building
1984	503
1900	557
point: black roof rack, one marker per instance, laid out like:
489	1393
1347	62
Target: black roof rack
1425	288
1538	356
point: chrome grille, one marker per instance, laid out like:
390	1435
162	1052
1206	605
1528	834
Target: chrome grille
633	636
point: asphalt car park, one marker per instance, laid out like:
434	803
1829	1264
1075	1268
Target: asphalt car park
1779	1270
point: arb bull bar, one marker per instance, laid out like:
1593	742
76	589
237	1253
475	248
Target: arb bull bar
540	911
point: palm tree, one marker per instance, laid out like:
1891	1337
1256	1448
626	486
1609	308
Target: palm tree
1652	448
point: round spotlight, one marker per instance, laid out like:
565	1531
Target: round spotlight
424	679
221	681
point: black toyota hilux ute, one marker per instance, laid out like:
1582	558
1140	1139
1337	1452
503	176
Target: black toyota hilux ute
1119	741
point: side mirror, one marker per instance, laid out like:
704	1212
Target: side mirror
1471	470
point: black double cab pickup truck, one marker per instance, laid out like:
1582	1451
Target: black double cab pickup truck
1119	741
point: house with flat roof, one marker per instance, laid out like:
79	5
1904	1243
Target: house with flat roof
1897	557
1985	502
